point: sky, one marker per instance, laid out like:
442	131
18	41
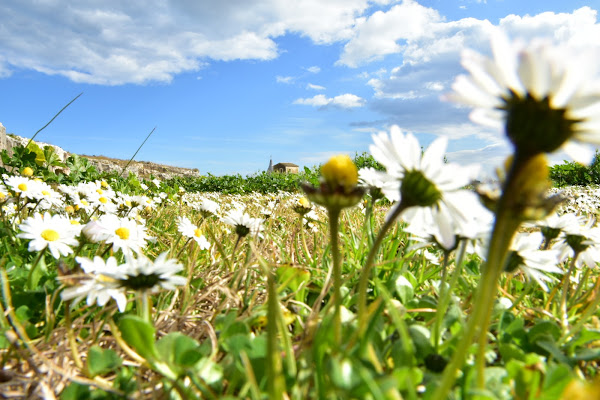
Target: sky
230	84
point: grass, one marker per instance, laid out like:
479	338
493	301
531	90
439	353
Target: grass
255	319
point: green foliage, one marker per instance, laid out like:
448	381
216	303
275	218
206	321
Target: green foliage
571	173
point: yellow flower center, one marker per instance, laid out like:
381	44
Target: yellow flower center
340	171
75	222
148	208
50	235
27	171
104	184
22	187
38	179
123	233
45	193
103	200
197	232
104	278
85	203
304	202
128	203
2	195
99	191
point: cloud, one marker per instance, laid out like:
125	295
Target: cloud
314	87
285	79
114	42
314	69
488	158
346	100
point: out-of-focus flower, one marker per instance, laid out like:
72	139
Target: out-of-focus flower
52	231
189	230
525	254
582	241
101	283
243	223
143	274
545	97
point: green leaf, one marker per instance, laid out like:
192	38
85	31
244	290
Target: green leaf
138	334
404	289
76	391
557	378
178	351
101	361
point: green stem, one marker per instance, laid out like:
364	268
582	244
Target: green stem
505	226
276	384
334	216
442	303
145	306
566	285
366	272
32	269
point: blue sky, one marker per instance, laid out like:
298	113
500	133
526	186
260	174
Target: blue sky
229	83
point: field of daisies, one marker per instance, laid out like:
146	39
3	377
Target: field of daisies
404	282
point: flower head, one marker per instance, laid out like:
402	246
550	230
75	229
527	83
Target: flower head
525	254
144	274
189	230
101	283
431	189
340	171
243	223
545	95
52	231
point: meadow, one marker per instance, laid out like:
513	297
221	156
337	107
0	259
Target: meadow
125	288
396	275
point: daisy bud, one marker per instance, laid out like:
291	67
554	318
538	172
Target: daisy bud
27	171
340	171
302	206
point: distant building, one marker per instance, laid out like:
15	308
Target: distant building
270	169
286	168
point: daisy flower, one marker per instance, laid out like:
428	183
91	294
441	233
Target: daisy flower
189	230
123	233
52	231
580	241
545	96
525	254
243	223
430	188
23	186
102	283
143	274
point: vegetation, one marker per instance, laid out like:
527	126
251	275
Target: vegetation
254	319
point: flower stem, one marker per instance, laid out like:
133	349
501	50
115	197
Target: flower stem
366	272
334	216
32	269
565	286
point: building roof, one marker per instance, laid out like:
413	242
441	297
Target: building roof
286	164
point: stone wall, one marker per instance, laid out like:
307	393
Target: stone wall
140	168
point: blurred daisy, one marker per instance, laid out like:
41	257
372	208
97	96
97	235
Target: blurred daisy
536	264
243	223
52	231
432	189
145	275
189	230
101	283
582	242
122	233
546	97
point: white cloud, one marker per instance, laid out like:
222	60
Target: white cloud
115	42
314	87
346	100
284	79
314	69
